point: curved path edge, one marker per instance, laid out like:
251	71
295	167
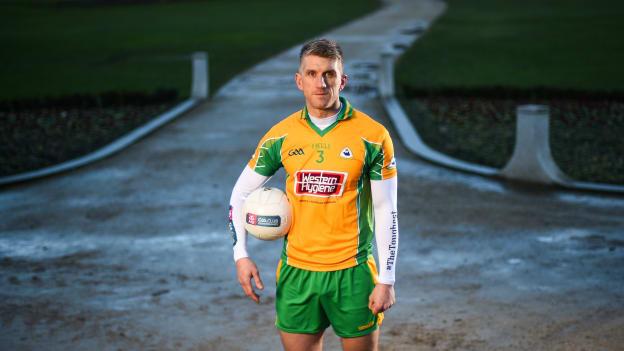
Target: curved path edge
199	92
414	143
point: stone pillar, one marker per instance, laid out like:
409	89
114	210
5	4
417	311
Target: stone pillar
532	160
199	87
386	74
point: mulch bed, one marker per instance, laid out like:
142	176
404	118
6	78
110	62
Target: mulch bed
44	132
586	131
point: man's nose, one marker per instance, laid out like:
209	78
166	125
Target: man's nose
321	82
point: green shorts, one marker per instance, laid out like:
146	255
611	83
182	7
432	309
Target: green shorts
308	302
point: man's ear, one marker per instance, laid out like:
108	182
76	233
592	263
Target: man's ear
343	81
298	81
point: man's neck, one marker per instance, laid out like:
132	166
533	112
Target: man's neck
328	112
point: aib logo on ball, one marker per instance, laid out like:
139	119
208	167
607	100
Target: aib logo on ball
252	219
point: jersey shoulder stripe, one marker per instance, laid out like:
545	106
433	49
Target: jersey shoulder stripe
379	157
267	158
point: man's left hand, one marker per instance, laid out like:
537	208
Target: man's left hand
382	298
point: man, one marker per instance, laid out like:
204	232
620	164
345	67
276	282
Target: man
341	183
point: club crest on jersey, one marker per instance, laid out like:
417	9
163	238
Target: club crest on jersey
346	153
319	183
392	164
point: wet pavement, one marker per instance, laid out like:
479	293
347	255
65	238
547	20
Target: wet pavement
133	252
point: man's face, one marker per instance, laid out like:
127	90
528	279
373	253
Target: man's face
321	80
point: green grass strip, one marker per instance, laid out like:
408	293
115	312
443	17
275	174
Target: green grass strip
461	82
566	44
52	48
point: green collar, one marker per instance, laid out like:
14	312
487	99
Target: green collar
346	111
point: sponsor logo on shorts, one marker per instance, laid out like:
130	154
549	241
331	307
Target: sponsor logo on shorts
263	221
320	183
367	325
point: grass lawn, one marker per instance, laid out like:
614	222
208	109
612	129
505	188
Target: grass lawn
522	49
59	47
54	49
567	44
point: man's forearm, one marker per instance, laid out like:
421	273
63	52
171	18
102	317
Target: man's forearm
247	182
384	194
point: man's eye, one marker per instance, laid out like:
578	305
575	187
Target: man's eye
311	74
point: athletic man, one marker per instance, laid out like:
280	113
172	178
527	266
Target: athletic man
341	182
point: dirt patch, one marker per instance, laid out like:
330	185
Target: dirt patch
417	337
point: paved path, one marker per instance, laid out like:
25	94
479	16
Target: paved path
133	253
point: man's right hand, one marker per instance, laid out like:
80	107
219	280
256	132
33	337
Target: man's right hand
246	270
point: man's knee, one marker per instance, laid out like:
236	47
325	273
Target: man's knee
302	342
368	342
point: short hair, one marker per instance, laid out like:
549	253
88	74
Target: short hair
323	48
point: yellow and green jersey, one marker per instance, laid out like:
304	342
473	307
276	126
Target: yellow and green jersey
328	175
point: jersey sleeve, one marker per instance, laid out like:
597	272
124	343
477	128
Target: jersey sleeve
247	182
267	158
380	158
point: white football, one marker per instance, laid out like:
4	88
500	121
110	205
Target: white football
267	213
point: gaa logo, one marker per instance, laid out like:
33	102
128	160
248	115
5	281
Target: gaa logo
296	152
320	183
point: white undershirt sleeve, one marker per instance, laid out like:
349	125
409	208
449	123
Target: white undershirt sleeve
247	182
384	194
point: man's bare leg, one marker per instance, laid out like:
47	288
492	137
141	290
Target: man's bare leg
368	342
302	342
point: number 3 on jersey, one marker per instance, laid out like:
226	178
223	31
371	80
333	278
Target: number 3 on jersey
321	156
